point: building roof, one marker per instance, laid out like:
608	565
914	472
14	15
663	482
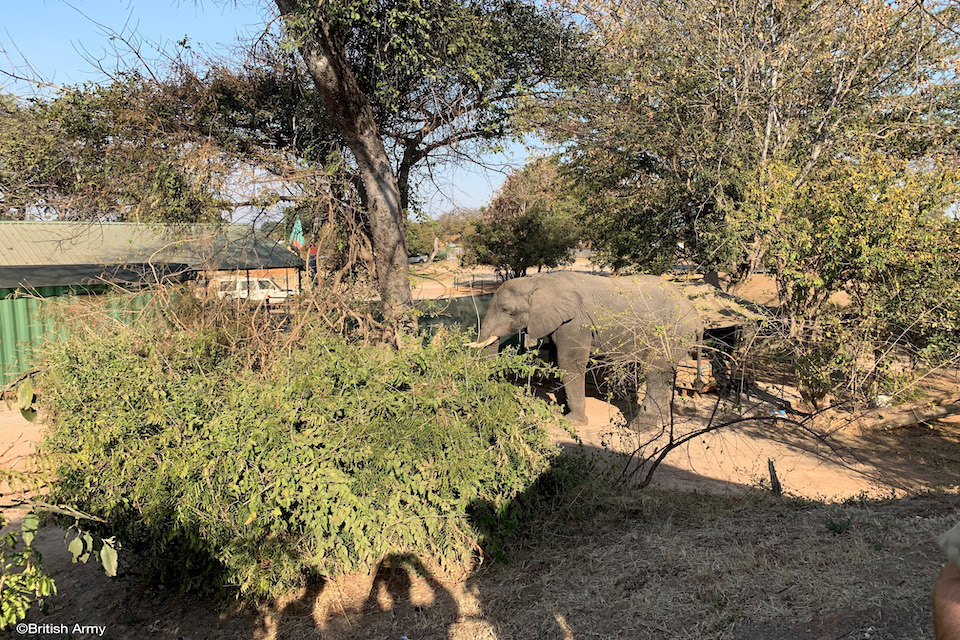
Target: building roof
66	253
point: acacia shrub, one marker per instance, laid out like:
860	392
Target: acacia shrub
320	460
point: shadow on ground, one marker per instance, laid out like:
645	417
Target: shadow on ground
657	565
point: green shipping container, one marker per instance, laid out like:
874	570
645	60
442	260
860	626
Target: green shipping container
27	319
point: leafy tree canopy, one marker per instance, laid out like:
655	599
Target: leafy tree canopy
98	153
701	109
445	75
534	221
818	140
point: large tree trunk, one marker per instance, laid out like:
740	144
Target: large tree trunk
345	102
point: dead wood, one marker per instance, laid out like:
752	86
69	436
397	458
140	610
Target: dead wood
933	408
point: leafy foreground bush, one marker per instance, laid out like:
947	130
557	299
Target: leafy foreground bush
322	459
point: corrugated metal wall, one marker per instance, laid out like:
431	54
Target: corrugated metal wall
24	324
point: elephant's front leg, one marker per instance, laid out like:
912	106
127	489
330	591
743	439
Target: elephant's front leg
573	353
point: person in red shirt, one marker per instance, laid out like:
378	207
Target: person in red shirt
312	258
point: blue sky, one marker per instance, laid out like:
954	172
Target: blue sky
59	41
56	37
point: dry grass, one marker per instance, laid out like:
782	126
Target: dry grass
687	566
668	565
654	564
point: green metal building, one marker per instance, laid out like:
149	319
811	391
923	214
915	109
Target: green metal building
40	261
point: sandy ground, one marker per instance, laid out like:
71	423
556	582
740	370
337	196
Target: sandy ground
721	461
807	462
18	439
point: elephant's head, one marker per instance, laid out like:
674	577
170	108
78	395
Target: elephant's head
539	304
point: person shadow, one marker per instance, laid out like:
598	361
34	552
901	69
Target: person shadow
404	600
410	595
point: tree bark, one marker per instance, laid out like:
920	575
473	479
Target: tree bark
411	156
348	107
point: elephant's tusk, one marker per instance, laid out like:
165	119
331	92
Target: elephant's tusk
486	343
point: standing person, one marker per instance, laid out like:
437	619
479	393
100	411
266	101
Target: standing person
312	258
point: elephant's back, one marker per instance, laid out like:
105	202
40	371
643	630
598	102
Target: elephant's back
651	299
661	289
633	292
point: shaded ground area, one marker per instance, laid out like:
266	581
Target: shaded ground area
671	566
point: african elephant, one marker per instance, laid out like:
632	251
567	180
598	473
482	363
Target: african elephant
642	319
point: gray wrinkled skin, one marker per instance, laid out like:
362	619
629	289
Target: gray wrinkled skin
641	319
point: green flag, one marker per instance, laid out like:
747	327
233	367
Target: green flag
296	236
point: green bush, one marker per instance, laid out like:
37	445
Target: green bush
23	582
321	459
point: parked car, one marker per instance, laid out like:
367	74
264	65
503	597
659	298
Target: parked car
418	259
254	290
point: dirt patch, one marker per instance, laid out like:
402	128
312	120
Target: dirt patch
18	439
448	279
813	462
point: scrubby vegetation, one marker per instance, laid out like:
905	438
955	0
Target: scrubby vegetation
224	468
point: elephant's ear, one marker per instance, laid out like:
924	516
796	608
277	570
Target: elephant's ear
550	307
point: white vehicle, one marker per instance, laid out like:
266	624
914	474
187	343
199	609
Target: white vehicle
255	290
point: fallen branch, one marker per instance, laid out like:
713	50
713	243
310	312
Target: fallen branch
905	416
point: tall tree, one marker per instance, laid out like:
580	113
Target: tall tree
812	138
324	51
704	110
426	75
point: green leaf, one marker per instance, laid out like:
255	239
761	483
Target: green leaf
108	558
28	528
30	415
25	395
76	548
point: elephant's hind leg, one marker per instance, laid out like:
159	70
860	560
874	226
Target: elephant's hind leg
655	408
